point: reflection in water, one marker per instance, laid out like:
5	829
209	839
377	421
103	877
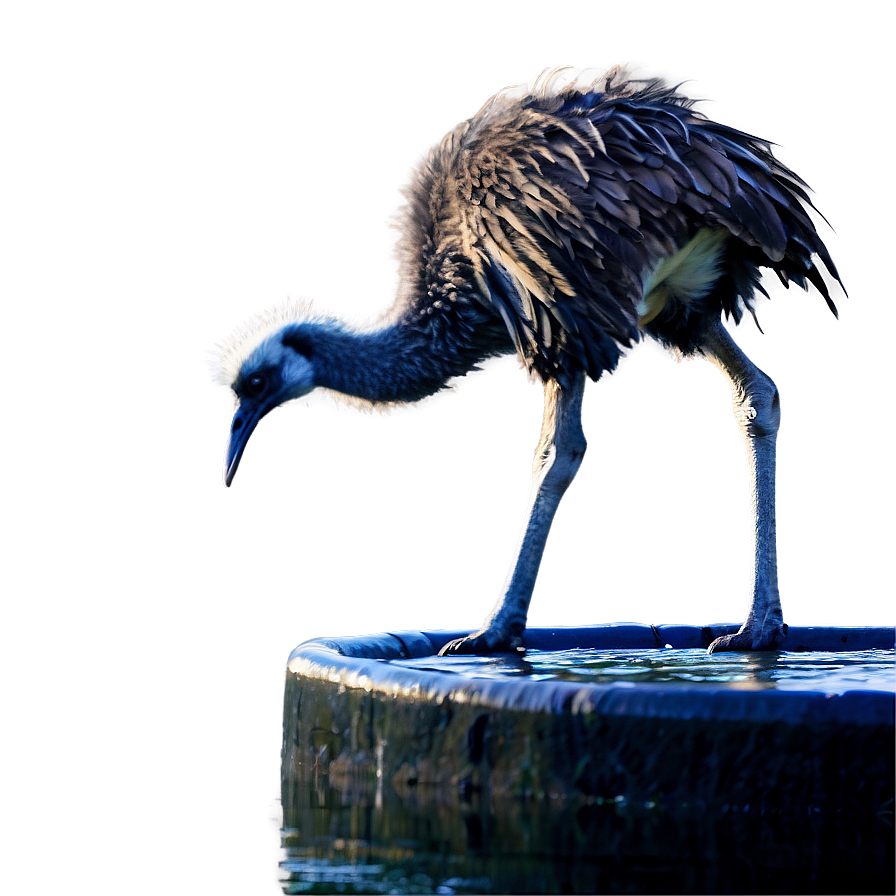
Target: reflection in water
427	844
832	672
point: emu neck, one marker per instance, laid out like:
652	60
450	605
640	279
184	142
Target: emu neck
403	362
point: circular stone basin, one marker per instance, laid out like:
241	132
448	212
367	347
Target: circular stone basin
620	758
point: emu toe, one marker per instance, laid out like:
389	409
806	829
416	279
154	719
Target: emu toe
747	639
484	643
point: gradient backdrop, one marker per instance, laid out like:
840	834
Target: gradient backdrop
172	168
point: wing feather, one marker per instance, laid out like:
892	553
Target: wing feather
564	201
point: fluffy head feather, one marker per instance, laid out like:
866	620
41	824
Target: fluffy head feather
230	355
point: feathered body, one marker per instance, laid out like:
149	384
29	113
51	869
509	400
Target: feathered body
540	226
561	225
552	211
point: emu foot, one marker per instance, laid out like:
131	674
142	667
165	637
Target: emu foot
771	638
486	642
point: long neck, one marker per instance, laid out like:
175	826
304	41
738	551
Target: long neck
405	361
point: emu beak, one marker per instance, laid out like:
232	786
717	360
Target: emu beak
244	422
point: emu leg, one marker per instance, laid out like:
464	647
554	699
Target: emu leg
757	411
557	459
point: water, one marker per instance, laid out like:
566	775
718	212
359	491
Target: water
830	672
348	844
369	807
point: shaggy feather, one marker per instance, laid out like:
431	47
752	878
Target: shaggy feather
229	356
562	200
538	222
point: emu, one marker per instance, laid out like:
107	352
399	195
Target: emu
564	225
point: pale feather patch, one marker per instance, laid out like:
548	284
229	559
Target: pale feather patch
369	406
687	275
547	83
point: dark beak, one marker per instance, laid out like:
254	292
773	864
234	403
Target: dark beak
244	422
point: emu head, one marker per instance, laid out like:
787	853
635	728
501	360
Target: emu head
275	371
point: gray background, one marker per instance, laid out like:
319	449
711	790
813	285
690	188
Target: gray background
168	169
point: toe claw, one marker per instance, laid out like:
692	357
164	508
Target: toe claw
721	644
472	645
459	646
480	644
747	640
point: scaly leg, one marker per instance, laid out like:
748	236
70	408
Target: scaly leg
757	411
557	460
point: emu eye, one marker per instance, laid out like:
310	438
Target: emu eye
255	384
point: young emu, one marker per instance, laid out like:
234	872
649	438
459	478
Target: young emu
563	225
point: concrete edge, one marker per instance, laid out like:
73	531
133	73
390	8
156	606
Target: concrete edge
363	662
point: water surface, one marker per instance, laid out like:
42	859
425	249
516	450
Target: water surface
830	672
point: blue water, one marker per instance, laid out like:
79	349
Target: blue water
830	672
